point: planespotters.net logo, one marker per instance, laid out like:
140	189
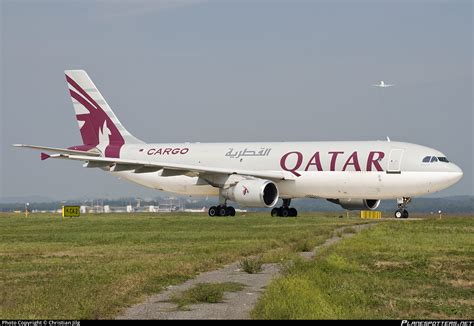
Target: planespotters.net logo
437	323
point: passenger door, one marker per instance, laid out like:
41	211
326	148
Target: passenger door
395	161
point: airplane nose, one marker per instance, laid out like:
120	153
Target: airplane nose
456	173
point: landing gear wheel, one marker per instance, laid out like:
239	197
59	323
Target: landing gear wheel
222	211
285	210
230	211
212	211
401	212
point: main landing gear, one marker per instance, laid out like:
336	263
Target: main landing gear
401	212
285	210
221	210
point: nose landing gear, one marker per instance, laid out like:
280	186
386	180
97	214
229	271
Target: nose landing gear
401	212
285	210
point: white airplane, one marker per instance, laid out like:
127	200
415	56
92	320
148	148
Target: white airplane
353	174
382	84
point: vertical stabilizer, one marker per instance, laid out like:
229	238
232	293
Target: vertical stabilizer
98	124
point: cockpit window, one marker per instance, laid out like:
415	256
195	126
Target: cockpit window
432	159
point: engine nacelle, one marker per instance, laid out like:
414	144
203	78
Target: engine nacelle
357	204
253	193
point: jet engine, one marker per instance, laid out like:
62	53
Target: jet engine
357	204
253	193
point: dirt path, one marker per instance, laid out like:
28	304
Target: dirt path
236	305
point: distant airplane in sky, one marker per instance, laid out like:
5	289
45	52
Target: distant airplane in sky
353	174
382	84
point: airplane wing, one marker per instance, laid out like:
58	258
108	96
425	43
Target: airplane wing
94	160
139	166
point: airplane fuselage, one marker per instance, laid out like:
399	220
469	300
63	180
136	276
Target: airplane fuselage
360	169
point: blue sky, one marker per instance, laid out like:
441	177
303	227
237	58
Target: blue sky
233	71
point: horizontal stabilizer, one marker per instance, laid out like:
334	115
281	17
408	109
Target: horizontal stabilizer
58	150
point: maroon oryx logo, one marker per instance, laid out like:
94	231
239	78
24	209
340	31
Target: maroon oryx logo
95	125
245	190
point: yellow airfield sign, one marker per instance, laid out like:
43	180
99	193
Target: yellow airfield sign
71	211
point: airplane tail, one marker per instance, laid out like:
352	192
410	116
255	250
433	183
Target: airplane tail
98	125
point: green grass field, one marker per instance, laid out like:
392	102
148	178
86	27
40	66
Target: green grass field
97	265
414	269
